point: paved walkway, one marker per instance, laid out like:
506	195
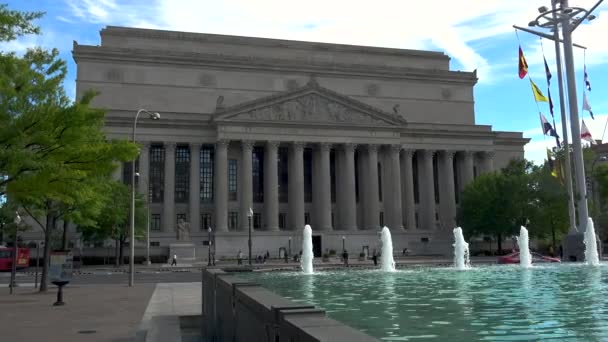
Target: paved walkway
92	313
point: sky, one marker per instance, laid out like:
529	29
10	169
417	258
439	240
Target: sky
476	34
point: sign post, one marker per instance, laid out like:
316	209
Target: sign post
60	272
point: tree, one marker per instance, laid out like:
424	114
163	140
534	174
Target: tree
497	203
113	222
54	157
550	217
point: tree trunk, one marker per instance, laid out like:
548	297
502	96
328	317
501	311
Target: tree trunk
64	241
499	242
50	225
122	250
116	253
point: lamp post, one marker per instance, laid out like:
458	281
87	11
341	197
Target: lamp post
209	246
249	216
289	249
148	262
153	116
569	18
343	240
15	252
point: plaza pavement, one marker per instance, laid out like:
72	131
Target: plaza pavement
92	313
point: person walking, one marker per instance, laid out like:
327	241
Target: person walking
345	257
174	261
239	257
375	257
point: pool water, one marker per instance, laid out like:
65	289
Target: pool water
566	302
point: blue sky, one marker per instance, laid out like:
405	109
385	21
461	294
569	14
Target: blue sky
476	34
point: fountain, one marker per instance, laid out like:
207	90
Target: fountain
461	251
307	255
591	256
388	263
525	259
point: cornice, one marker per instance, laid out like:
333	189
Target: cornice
140	56
121	31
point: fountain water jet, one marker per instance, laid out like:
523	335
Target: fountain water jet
307	254
461	251
591	255
388	263
525	259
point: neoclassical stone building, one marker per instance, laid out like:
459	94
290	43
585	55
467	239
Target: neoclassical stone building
345	138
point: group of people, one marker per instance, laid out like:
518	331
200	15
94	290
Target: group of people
260	259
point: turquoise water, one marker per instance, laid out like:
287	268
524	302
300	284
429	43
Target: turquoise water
491	303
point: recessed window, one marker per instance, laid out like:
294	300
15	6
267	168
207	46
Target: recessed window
206	174
182	174
232	179
155	222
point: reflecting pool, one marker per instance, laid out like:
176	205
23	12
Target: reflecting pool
493	303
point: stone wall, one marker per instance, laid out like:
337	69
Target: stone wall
236	310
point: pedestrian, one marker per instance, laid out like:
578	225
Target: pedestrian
345	257
267	254
375	257
174	262
239	257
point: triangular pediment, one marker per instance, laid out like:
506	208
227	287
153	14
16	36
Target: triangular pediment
311	104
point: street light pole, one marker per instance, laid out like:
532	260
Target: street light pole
562	107
289	250
153	116
343	240
249	216
147	194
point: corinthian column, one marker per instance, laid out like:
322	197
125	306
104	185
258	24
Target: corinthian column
194	201
246	192
296	186
427	191
144	171
467	168
373	211
447	198
348	207
324	188
392	202
409	204
271	186
169	218
220	186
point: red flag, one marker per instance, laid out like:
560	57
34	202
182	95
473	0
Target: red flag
523	65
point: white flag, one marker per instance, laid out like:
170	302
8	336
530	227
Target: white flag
586	105
586	134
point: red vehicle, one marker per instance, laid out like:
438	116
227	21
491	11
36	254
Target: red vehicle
6	258
513	258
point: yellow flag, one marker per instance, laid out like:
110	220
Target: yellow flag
538	95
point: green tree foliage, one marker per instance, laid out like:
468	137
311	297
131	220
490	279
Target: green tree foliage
54	158
114	219
497	204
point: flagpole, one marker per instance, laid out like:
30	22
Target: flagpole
562	107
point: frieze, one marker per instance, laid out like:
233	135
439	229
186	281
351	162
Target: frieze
310	108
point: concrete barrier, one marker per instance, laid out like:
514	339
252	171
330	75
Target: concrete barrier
237	310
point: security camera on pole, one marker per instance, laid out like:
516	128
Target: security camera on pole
569	18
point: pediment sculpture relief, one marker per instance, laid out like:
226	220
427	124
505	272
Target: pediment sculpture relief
310	108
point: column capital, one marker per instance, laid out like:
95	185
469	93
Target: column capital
195	146
144	145
246	145
395	148
467	153
488	154
170	145
408	152
298	146
449	154
272	145
324	146
428	153
372	148
222	143
349	147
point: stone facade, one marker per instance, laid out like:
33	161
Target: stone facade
346	138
